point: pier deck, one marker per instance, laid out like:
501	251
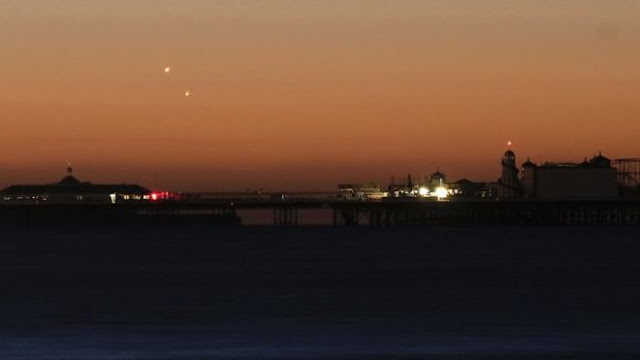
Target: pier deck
345	213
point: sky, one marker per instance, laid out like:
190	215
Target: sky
305	94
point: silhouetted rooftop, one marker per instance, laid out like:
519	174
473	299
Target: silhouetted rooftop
70	185
528	163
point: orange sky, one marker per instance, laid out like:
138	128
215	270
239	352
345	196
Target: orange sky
303	94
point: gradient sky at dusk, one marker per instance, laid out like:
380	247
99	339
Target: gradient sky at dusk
302	94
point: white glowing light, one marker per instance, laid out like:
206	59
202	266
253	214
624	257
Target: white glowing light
187	93
423	191
509	143
167	69
441	192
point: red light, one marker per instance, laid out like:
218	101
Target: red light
160	195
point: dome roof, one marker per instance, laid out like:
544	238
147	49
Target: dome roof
599	157
509	153
528	163
69	180
600	161
438	176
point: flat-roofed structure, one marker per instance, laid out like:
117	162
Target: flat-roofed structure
595	179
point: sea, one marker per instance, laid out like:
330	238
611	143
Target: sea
320	292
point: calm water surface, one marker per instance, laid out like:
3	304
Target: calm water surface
321	293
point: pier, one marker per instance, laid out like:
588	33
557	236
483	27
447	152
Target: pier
285	213
506	213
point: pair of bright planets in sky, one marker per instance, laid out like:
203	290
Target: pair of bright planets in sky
167	70
187	93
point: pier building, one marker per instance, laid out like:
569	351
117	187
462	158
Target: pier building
593	179
70	190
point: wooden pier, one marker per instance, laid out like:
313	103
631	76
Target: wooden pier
505	213
345	213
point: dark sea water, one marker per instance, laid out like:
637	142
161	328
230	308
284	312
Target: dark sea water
321	293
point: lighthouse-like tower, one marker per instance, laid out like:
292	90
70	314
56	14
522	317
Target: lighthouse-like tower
509	187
